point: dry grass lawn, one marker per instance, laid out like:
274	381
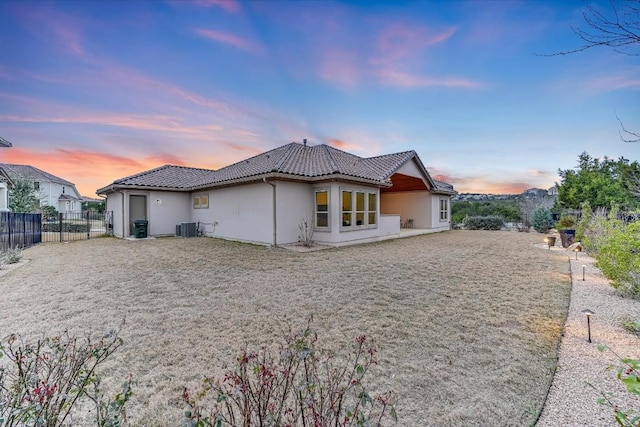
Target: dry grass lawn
467	322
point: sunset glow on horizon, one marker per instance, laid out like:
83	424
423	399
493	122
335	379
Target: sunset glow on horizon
95	91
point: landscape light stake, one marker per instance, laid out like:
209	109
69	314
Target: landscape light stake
583	268
589	313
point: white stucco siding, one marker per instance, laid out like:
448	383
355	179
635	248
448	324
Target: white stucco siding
242	212
166	209
50	192
294	203
411	169
114	204
414	205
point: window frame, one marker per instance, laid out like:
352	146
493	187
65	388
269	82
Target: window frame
316	227
200	201
444	211
354	212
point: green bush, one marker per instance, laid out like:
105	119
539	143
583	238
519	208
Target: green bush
66	227
542	220
565	222
619	258
599	229
585	220
483	222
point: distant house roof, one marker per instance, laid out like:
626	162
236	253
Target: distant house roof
26	171
35	174
4	143
292	161
4	177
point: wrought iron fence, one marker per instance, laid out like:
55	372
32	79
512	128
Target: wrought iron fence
19	230
77	226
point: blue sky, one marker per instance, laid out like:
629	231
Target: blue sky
94	91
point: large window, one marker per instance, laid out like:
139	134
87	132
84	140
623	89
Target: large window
347	209
322	208
358	208
444	209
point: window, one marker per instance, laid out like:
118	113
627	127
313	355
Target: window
444	209
372	208
359	208
36	185
322	208
346	209
201	201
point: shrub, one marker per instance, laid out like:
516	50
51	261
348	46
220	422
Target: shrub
618	257
585	219
42	383
599	229
628	372
483	222
298	385
565	222
66	227
305	233
11	256
542	220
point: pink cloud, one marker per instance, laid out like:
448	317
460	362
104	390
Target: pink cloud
230	39
343	145
400	79
339	66
399	42
230	6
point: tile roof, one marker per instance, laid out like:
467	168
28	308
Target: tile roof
168	176
26	171
296	160
4	143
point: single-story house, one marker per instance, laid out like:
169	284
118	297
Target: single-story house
50	189
264	199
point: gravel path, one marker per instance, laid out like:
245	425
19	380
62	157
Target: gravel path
571	401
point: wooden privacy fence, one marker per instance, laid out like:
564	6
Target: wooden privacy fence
19	230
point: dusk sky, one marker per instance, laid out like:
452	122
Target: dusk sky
94	91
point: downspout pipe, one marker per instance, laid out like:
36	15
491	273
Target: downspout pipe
275	230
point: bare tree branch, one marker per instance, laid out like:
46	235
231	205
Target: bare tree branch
618	30
630	136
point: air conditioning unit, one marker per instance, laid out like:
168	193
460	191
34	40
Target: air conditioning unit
187	229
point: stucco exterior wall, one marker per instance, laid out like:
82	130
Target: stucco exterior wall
166	209
411	169
414	205
294	203
242	212
114	204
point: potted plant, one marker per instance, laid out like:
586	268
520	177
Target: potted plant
566	227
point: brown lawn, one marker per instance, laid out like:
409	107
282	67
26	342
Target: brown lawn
467	322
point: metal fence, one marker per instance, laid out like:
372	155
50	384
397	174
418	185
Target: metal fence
77	226
19	230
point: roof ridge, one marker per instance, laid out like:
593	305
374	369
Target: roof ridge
286	156
332	161
51	177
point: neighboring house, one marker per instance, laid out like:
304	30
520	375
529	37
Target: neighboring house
264	199
51	190
5	182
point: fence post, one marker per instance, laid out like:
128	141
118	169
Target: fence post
9	218
88	226
60	215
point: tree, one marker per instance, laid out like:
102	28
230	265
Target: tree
618	28
599	182
22	197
